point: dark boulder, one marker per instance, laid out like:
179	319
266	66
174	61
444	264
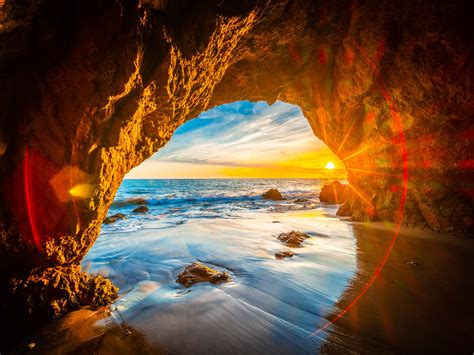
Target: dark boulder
272	194
197	272
114	218
284	254
140	209
293	238
131	201
334	192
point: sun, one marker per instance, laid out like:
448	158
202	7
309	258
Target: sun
330	165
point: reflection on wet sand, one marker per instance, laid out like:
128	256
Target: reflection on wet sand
419	304
89	332
422	301
269	305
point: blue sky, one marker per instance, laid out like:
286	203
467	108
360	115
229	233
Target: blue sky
241	139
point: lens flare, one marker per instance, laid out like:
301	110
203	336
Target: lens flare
82	190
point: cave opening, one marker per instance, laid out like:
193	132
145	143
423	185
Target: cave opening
240	140
201	200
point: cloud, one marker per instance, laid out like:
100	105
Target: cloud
242	134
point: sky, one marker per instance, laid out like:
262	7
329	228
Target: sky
243	140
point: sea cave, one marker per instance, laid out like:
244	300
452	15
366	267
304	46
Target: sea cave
92	89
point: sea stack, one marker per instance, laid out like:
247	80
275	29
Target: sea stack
273	194
334	192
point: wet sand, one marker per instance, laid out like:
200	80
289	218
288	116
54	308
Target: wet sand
422	307
88	331
269	306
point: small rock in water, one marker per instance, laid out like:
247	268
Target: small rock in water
276	222
141	209
284	254
197	272
301	200
272	194
114	218
131	201
293	238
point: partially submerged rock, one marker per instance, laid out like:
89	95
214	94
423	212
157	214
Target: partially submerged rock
114	218
293	238
197	272
272	194
141	209
334	192
284	254
301	200
131	201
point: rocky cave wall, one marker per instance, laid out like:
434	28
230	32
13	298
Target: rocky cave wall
90	89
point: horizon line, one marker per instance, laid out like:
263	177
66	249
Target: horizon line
239	178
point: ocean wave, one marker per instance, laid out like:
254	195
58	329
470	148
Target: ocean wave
188	200
211	200
130	201
203	200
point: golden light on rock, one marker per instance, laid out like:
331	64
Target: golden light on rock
82	190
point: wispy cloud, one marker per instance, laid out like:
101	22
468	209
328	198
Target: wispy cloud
241	135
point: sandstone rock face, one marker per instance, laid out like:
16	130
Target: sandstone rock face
91	88
334	192
272	194
54	291
197	272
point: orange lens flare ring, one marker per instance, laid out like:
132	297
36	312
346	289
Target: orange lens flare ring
27	180
401	206
28	188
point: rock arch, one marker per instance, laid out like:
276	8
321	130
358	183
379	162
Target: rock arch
93	88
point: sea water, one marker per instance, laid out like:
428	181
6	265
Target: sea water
270	306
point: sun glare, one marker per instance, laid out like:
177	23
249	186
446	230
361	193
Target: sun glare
330	165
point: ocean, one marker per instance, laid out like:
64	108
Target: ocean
269	306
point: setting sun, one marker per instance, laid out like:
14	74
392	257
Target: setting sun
330	165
